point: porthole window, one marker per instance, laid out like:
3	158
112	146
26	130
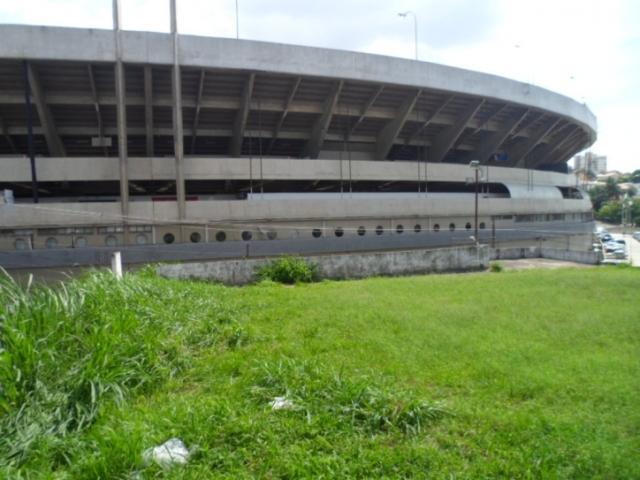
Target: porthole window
168	238
195	237
436	227
80	242
272	234
111	241
141	239
452	227
362	231
247	235
399	229
51	242
417	228
468	226
339	232
221	236
482	226
379	230
20	244
316	232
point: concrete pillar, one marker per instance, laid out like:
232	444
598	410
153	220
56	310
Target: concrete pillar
121	115
178	136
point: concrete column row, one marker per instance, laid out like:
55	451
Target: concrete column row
122	113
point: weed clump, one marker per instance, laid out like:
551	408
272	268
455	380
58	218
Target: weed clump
496	267
341	404
289	270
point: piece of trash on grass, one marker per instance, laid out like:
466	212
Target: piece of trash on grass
171	452
282	403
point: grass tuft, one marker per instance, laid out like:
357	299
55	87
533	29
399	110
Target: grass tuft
362	404
288	270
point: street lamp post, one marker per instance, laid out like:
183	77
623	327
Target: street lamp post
475	165
237	22
415	27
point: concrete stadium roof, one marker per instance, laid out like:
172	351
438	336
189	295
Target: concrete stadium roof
245	97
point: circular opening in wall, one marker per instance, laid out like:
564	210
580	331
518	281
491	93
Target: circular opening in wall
468	226
111	241
316	232
272	234
141	239
379	230
452	227
20	244
339	232
221	236
436	227
482	226
399	229
247	235
51	242
195	237
417	228
168	238
362	231
80	242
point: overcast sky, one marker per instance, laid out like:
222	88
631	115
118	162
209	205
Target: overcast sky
586	49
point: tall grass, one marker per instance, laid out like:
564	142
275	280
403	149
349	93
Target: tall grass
66	350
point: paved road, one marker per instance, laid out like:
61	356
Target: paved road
633	249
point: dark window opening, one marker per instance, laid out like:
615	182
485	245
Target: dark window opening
468	226
417	228
436	227
339	232
379	230
246	235
362	231
195	237
482	226
316	232
221	236
452	227
399	229
168	238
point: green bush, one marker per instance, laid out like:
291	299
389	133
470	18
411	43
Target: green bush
496	267
289	270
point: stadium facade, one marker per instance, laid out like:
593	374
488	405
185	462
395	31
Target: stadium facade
174	146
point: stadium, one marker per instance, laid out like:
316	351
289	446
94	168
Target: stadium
168	146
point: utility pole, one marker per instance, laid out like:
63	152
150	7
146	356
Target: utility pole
475	165
415	27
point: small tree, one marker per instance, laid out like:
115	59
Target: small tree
610	212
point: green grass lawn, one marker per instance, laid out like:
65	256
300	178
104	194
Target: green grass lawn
522	374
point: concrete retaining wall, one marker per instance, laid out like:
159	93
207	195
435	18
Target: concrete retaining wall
514	253
342	266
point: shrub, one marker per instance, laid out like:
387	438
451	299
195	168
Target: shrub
289	270
496	267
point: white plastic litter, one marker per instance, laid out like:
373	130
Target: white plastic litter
282	403
170	453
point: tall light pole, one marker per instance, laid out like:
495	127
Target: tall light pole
237	22
475	165
415	26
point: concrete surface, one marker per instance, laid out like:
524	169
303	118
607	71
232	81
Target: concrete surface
80	44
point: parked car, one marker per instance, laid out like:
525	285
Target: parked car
620	254
606	237
621	241
636	235
611	247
